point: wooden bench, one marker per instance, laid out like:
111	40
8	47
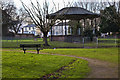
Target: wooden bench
30	46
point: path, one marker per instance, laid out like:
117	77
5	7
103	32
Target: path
99	69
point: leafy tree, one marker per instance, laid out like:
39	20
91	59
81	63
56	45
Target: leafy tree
7	10
107	24
115	10
75	25
89	33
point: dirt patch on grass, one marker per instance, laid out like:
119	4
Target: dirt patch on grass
54	76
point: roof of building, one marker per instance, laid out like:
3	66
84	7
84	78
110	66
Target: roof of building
73	13
30	25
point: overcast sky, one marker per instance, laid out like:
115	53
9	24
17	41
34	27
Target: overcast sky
27	2
60	2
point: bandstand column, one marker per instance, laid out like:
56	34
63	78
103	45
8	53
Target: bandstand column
62	27
51	33
95	27
65	28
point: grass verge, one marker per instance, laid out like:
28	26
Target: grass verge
105	54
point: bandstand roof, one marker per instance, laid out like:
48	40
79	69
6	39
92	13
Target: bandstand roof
73	13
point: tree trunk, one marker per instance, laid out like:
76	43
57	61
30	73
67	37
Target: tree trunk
16	32
45	39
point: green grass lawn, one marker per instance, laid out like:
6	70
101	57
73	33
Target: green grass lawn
16	43
105	54
15	64
108	39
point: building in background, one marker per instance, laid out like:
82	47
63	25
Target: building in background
27	29
30	29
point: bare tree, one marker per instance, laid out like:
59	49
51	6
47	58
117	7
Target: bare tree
8	7
17	20
38	15
91	6
16	16
7	10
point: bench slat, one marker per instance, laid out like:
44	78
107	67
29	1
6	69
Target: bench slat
30	45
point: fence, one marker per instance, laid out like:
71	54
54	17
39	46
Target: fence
12	42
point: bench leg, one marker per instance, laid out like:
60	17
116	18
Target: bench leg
37	51
24	50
